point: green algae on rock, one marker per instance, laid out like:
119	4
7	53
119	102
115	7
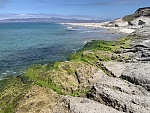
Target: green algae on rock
61	79
102	50
12	90
64	78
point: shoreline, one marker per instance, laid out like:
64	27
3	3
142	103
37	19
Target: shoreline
72	80
120	30
12	72
102	76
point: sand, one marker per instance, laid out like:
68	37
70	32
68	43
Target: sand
124	30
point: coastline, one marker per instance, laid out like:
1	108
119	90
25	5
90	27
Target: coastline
34	44
120	30
100	67
63	78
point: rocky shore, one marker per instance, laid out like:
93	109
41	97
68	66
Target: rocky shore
102	77
137	23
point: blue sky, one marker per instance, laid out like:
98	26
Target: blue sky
91	8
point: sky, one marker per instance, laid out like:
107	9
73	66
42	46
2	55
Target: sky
96	9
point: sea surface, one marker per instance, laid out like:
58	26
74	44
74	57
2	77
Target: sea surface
26	44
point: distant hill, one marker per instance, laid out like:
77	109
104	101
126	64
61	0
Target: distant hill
137	23
52	19
140	12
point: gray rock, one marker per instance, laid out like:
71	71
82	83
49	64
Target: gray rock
143	59
145	11
137	73
116	68
129	103
119	94
109	92
139	50
143	31
84	105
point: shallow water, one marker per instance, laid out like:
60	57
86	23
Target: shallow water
25	44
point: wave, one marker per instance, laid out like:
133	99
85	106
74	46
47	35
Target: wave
72	29
7	72
91	32
75	50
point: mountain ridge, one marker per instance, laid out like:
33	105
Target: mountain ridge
52	19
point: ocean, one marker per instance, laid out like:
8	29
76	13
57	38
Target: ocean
26	44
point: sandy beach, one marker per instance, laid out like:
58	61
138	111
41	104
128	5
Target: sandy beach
110	29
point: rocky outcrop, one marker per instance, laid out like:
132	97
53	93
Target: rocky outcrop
115	68
118	23
106	93
137	23
145	11
38	100
119	94
141	25
84	105
143	31
141	22
102	86
137	73
139	50
104	77
84	73
116	97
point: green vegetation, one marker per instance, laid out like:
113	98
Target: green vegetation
12	90
129	18
55	65
127	39
76	56
61	76
103	45
101	50
38	74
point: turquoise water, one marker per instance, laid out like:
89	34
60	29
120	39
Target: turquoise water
25	44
